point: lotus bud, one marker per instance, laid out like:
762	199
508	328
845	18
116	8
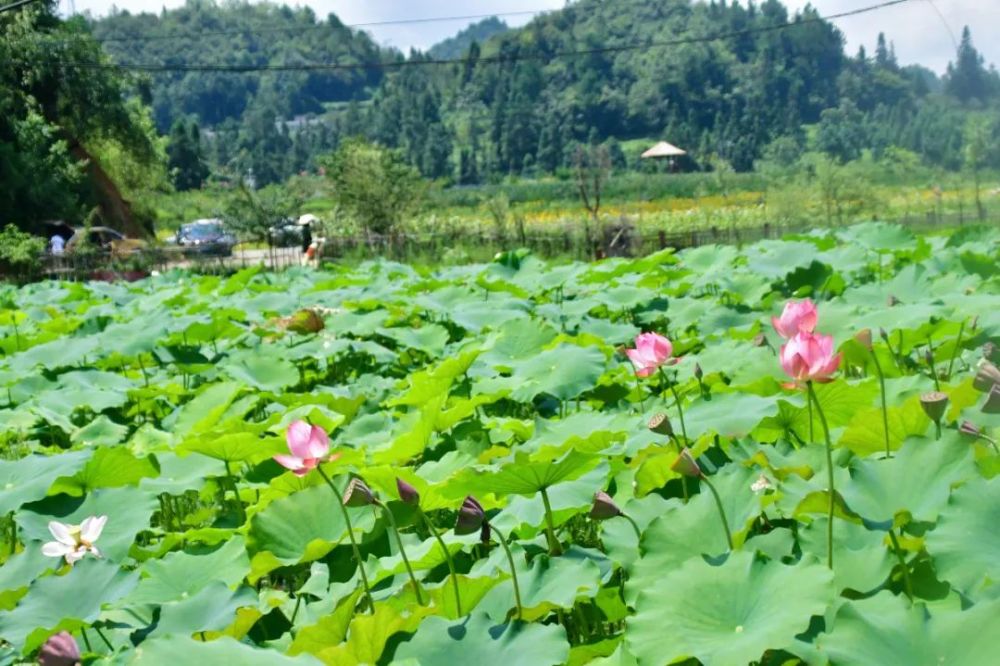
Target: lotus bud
761	484
992	405
989	351
760	340
660	424
358	494
604	507
934	404
864	338
974	324
892	301
971	429
698	374
407	493
60	650
882	334
686	465
987	376
471	517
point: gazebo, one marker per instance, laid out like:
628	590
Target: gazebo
664	150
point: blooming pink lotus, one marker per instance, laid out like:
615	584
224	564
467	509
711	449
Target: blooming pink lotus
75	541
651	351
797	317
809	357
309	446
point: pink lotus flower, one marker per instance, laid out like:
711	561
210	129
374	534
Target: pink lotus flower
309	445
809	357
651	351
797	317
75	541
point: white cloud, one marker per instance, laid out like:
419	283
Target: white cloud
919	34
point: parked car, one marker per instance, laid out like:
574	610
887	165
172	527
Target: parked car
286	233
206	237
104	240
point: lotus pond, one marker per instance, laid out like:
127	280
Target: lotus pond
484	465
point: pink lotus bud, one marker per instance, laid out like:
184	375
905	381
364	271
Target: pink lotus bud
358	494
651	351
471	516
992	404
971	429
864	338
604	507
808	357
660	424
987	376
686	465
407	493
934	405
60	650
797	317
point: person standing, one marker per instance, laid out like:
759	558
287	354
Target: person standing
57	245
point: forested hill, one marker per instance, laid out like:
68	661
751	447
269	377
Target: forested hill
240	33
455	47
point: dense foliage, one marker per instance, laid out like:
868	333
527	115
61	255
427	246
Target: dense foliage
144	513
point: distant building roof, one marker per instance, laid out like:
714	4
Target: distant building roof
663	149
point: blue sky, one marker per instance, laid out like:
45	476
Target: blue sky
919	33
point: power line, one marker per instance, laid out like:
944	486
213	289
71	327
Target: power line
502	59
14	5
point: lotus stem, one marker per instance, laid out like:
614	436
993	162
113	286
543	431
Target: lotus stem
885	408
236	493
829	474
677	399
954	352
550	526
402	552
447	555
635	525
350	534
907	583
722	511
931	365
513	574
86	639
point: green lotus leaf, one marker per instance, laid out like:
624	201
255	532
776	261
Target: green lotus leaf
965	544
726	614
55	603
101	431
107	468
264	372
18	572
563	372
181	574
177	649
862	560
524	476
477	640
885	629
29	478
211	608
549	583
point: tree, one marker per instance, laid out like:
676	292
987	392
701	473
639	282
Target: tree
374	184
978	143
252	214
592	168
967	78
186	159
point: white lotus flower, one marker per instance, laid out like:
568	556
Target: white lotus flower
762	483
75	541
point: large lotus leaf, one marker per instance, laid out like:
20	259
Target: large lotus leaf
861	560
369	634
475	639
203	412
128	510
776	259
965	544
516	341
67	602
107	468
101	431
563	372
885	629
63	352
726	614
181	574
549	583
304	526
430	339
30	478
525	514
211	608
865	433
916	481
746	367
879	236
18	572
235	446
728	414
524	476
586	432
266	372
178	649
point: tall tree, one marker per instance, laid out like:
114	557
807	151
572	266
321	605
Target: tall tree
967	78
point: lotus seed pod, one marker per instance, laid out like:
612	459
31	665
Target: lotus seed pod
987	376
992	405
407	493
358	494
686	465
934	404
604	507
660	424
971	429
